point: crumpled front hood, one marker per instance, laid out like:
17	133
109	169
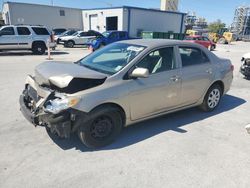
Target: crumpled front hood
61	74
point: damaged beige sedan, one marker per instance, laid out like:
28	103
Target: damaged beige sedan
121	84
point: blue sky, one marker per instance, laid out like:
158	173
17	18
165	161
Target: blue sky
210	9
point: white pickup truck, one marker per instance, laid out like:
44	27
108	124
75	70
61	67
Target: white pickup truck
26	37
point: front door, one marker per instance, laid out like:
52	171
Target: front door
196	74
8	39
161	90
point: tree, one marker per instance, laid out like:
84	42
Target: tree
216	26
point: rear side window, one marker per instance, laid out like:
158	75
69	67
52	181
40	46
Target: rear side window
40	31
85	34
192	56
23	31
8	31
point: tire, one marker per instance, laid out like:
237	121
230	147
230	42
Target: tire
38	48
222	41
212	98
69	44
212	48
102	128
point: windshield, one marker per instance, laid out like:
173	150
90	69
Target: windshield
76	33
112	58
68	33
189	38
106	34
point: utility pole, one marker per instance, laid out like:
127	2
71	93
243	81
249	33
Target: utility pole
52	2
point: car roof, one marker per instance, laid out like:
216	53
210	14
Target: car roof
20	25
158	42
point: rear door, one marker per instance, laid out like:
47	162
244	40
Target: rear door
8	38
24	37
196	74
84	37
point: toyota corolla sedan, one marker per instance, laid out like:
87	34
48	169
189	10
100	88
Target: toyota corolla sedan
121	84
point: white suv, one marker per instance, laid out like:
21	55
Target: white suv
25	37
79	38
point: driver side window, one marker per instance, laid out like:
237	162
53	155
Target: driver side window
159	60
8	31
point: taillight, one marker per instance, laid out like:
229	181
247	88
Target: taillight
232	68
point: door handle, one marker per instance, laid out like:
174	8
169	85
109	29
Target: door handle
175	78
209	71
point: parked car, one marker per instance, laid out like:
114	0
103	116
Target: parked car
25	37
121	84
80	38
107	38
245	67
202	40
58	38
58	31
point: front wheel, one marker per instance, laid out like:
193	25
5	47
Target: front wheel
69	44
102	128
212	98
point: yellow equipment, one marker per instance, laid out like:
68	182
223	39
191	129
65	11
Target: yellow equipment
191	32
227	38
214	37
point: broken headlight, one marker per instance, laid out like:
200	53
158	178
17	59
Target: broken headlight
57	105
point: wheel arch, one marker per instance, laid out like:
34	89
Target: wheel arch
114	105
38	42
220	83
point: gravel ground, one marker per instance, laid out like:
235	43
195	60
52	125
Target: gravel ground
185	149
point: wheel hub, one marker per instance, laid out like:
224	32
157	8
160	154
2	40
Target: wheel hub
214	98
101	128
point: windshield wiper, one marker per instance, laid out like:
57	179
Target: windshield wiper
96	69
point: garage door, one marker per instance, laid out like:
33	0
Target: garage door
93	22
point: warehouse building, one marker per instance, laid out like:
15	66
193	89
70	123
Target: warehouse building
34	14
131	19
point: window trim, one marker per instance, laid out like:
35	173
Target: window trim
14	31
204	53
22	27
62	12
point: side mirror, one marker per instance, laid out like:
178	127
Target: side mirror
139	73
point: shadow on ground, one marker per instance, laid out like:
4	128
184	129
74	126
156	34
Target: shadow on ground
146	129
25	53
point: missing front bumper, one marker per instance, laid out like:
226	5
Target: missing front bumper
60	124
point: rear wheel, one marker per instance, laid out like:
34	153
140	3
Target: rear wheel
212	98
102	128
38	48
69	44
